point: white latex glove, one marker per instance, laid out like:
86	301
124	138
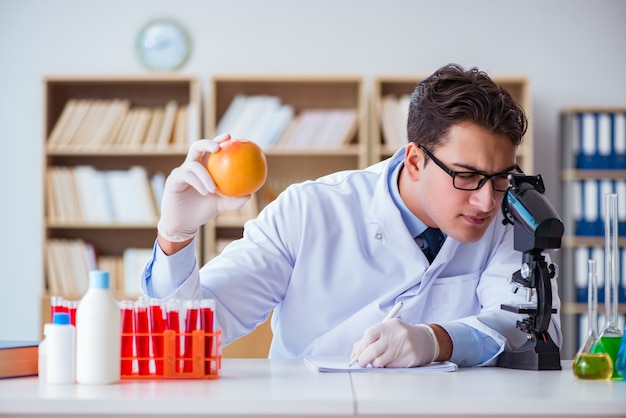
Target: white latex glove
189	197
395	343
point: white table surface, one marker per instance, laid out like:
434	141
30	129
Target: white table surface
246	387
489	391
258	387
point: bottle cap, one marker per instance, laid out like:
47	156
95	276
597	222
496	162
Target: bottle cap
99	279
61	318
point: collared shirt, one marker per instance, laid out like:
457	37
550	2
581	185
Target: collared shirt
469	346
331	257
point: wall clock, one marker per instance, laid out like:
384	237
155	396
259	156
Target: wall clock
163	45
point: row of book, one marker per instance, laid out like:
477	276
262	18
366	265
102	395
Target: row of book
599	140
582	254
270	123
68	262
82	194
94	124
587	201
394	115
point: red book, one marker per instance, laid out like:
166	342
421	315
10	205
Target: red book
18	358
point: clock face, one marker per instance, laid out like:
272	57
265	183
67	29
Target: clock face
163	45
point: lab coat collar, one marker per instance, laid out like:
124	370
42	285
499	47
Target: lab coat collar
387	217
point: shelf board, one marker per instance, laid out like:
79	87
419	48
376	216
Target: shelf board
349	150
577	241
572	174
581	308
116	151
594	109
109	226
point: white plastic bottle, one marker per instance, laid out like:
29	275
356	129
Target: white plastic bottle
60	350
42	356
98	337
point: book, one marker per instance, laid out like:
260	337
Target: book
117	116
18	358
134	259
90	209
342	365
62	123
137	135
231	114
167	126
154	128
179	136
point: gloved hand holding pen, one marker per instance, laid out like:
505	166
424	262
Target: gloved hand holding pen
395	343
189	198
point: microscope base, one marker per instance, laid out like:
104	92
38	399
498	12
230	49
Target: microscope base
532	356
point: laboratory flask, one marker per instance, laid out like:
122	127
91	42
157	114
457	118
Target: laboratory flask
592	362
611	335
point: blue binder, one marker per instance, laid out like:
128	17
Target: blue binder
619	141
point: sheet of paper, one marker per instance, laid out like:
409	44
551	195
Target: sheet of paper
342	365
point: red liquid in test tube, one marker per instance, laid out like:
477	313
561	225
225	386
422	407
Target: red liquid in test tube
128	313
173	324
191	324
157	326
72	305
57	305
207	306
142	338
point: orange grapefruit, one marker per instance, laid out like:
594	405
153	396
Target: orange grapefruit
238	168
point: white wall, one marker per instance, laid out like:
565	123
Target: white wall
573	51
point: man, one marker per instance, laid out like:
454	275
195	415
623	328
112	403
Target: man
331	257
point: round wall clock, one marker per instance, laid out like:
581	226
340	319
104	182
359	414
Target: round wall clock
163	45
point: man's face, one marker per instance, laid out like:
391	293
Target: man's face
429	193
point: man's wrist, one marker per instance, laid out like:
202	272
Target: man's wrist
445	342
171	247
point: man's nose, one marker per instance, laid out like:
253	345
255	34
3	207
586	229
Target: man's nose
484	198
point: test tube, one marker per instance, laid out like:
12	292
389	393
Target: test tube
172	307
157	326
611	335
71	306
127	311
57	305
207	307
142	337
191	324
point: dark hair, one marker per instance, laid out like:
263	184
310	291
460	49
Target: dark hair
452	95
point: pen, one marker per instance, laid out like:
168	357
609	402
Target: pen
392	314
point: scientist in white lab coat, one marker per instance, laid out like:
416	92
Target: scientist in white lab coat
331	257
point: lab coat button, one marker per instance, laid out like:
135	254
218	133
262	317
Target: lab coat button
379	236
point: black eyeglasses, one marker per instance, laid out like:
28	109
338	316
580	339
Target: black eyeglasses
473	180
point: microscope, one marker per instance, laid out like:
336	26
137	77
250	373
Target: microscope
537	227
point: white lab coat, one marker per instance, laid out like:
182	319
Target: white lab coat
331	257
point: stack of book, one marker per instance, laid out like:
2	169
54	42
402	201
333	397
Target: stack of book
394	116
269	123
68	262
95	124
82	194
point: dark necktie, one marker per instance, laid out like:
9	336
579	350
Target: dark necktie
432	240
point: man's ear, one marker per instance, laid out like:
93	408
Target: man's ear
413	161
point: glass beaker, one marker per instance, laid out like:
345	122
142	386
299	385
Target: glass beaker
611	335
592	361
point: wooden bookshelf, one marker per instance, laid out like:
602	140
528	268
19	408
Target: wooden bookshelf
109	237
287	164
398	86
